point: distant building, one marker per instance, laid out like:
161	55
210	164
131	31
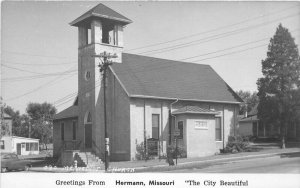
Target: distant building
15	144
19	145
252	126
149	99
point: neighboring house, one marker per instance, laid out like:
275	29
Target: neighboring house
252	126
19	145
149	99
15	144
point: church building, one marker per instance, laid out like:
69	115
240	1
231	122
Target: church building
150	102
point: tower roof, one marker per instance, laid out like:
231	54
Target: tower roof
101	12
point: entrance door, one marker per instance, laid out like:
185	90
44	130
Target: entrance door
19	149
88	135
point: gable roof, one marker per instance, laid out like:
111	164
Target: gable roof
194	110
70	112
148	77
102	12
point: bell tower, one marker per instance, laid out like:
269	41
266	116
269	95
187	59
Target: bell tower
99	30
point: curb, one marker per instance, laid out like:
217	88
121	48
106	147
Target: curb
62	170
165	167
206	163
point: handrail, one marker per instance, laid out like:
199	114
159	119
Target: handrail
95	145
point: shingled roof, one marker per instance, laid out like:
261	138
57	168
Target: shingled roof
194	110
101	12
70	112
148	77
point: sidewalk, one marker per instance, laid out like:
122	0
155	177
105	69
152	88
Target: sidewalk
161	165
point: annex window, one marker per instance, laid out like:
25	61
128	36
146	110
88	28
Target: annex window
62	131
74	130
218	129
2	144
89	36
155	126
201	125
180	129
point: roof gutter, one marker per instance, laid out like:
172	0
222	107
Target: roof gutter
197	100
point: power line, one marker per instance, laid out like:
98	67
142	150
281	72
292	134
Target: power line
37	88
244	44
71	96
213	37
35	55
22	70
231	53
212	30
25	78
38	64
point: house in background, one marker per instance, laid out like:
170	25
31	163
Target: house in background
15	144
20	145
252	126
149	99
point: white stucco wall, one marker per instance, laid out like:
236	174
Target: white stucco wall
227	112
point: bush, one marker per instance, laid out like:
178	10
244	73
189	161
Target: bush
237	144
171	151
141	153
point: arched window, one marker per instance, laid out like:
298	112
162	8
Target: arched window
87	118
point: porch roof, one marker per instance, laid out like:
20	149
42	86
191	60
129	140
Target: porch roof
249	119
194	110
70	112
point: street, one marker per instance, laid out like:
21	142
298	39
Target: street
260	165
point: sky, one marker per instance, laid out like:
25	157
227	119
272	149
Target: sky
39	48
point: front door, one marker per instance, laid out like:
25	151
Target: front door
19	149
88	135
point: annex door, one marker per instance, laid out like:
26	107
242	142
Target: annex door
19	149
88	135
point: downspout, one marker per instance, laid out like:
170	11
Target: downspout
170	120
234	125
223	135
145	140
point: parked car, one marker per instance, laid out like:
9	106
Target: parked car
11	161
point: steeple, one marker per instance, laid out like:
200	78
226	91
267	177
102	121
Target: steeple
101	26
99	30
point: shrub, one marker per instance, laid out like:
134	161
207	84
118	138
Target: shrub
171	151
141	153
237	144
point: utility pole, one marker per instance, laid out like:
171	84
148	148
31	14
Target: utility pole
103	68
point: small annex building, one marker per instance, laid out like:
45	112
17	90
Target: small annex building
149	100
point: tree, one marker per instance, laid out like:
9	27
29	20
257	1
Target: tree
278	89
19	122
41	124
4	126
251	99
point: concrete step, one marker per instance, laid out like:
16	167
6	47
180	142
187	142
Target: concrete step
89	159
